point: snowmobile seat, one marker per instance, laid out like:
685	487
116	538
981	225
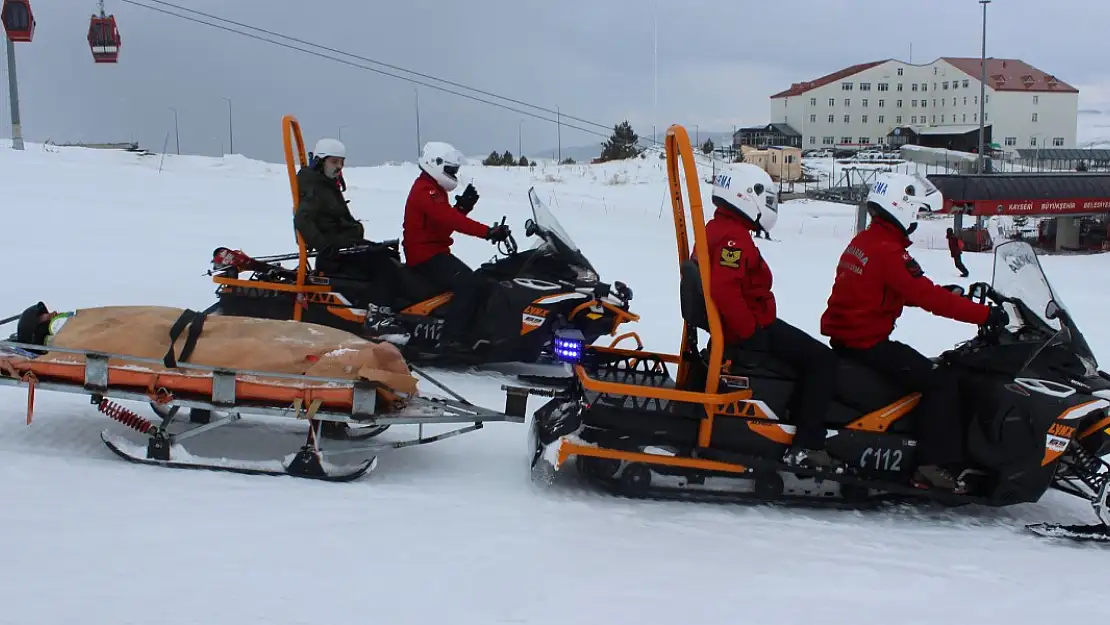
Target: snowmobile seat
859	389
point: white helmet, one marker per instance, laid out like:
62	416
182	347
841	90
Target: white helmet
442	161
330	147
747	190
900	197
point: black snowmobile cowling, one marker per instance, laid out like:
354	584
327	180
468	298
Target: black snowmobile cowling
541	306
1036	408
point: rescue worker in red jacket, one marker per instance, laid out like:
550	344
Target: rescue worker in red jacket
875	279
740	285
430	220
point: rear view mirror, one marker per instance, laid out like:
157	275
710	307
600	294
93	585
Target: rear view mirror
978	292
1051	310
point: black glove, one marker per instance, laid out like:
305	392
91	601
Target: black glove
955	288
465	202
997	319
498	233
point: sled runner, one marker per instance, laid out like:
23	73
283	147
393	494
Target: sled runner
537	303
339	385
1037	409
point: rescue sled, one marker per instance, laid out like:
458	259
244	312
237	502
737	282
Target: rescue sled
1037	409
366	399
540	303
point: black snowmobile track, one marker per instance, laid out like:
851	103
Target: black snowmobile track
346	474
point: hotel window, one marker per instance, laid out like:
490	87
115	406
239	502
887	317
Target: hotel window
1057	141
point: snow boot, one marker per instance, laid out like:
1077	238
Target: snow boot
812	459
933	476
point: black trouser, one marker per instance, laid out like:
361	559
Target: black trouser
958	260
375	265
815	363
449	273
937	421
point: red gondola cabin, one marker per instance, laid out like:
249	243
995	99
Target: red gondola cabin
104	39
19	21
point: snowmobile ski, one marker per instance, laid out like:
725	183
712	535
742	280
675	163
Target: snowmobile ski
1079	533
305	463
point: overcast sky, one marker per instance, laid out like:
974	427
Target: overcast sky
718	61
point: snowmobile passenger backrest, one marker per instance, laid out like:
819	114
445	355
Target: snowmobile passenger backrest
691	296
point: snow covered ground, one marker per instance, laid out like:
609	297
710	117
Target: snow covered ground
455	532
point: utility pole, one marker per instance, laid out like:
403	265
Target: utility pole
559	126
419	146
176	132
983	90
13	95
655	71
230	127
520	138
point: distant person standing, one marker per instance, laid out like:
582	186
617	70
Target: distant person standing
956	247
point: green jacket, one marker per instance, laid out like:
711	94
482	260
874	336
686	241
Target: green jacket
322	217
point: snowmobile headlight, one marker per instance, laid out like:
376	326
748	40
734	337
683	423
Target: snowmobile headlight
569	344
585	276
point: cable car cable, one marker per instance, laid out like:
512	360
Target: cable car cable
368	60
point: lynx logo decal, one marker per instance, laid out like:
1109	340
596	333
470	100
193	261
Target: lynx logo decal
730	257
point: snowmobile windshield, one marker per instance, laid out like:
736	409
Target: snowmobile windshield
555	241
1018	275
545	221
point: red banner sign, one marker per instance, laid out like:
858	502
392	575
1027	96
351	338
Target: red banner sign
1033	207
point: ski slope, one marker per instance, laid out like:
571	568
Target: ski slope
455	532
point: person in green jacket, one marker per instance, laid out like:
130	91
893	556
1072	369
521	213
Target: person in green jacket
325	223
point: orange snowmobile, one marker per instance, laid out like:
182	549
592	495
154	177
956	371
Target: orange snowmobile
543	305
1037	409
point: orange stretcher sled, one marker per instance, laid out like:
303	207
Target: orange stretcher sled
349	409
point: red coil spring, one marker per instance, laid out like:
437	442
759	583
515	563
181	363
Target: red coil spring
125	416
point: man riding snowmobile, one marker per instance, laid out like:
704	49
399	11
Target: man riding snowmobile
430	220
875	278
327	226
741	290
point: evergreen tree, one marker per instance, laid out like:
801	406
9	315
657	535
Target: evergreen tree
707	147
493	159
621	144
507	158
523	162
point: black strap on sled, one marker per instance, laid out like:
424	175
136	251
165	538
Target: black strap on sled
195	321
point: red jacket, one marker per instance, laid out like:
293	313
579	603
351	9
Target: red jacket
430	220
740	281
875	279
955	245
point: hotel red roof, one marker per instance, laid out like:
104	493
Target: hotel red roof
1011	75
799	88
1002	75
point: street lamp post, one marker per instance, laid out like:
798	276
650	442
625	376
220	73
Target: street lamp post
230	127
520	138
983	90
176	131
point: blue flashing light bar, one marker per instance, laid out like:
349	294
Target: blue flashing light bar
569	344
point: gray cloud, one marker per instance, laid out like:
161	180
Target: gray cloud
719	60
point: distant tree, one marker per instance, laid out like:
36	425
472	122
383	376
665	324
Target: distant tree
493	159
507	158
621	144
707	147
523	162
567	161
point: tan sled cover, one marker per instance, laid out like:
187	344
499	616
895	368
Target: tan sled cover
265	345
